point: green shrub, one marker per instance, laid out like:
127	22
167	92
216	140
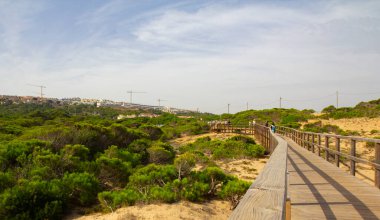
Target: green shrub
244	139
255	150
82	187
195	191
146	177
113	171
76	150
164	194
184	163
6	180
233	191
160	155
110	200
154	132
33	200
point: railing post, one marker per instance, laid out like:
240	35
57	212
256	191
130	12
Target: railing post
313	143
377	170
299	138
288	212
337	146
308	141
319	145
327	154
353	154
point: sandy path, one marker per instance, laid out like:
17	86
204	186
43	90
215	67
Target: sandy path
182	210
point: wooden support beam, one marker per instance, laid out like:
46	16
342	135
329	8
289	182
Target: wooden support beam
337	148
327	154
377	160
353	154
319	145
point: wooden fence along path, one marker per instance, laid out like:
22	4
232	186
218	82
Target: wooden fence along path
304	170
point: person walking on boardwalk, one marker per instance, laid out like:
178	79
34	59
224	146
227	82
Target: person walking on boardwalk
273	127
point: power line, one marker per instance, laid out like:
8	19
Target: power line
309	100
369	93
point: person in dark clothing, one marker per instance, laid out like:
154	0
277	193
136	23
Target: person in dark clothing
267	124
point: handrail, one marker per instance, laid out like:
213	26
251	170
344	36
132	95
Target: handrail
357	138
267	196
307	140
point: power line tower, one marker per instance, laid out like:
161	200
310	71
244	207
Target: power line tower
41	89
159	102
131	93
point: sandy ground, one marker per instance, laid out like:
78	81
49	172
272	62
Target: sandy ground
362	125
182	210
245	169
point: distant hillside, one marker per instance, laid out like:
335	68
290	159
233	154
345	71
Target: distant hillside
285	117
293	117
369	109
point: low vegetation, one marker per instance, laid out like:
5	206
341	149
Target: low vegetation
53	159
369	109
317	127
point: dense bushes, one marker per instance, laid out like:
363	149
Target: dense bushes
82	187
235	147
160	183
363	109
233	191
33	200
285	117
55	158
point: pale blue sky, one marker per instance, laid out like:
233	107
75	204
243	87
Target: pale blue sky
195	54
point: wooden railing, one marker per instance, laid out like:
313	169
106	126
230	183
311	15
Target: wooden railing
227	128
329	147
267	196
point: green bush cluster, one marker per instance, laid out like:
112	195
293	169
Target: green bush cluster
162	183
284	117
234	147
55	158
363	109
317	127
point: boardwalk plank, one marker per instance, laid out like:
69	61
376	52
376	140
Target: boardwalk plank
319	190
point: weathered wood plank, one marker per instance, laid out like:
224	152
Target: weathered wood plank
266	197
320	190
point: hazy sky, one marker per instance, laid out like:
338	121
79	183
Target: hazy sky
195	54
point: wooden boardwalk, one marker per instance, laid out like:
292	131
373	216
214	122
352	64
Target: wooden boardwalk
320	190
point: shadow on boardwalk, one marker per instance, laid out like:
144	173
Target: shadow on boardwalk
319	190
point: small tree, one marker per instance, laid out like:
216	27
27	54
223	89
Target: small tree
159	155
184	163
233	191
